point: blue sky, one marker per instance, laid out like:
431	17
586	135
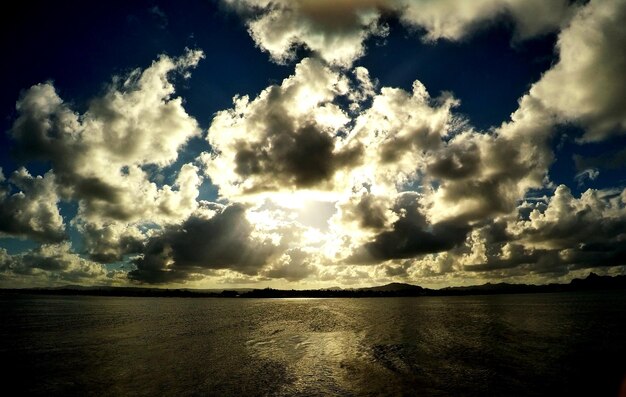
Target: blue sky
338	168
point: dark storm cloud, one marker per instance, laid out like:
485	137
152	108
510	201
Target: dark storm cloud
496	232
299	157
94	188
201	244
491	197
455	163
35	260
612	253
420	138
369	213
411	235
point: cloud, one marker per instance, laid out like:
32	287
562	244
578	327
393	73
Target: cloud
403	183
255	142
563	235
465	179
403	138
52	264
412	139
411	235
287	138
366	211
213	238
293	265
399	129
336	30
516	157
595	217
453	20
98	156
587	86
397	271
514	257
587	174
159	16
490	176
496	168
460	160
120	125
28	207
110	242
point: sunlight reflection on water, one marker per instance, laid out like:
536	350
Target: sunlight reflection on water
513	345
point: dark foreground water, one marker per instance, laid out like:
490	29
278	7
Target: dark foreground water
508	345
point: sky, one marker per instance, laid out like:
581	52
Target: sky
312	143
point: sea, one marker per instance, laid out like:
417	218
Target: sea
552	344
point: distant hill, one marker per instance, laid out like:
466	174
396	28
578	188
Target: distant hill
593	282
394	287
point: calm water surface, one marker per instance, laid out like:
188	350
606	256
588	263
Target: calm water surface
508	345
